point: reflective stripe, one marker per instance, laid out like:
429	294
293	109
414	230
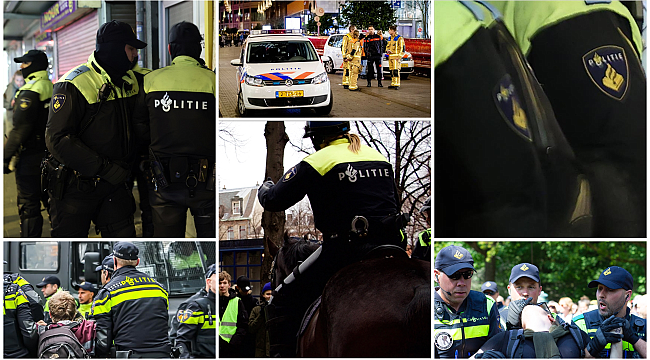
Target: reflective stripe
224	323
471	332
105	305
228	324
226	337
337	153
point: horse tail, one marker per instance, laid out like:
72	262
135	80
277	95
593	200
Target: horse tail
418	320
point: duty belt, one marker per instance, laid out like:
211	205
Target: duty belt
188	171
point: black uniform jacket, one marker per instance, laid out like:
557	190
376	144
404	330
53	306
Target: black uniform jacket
131	310
198	328
340	185
373	45
31	294
20	331
109	136
174	327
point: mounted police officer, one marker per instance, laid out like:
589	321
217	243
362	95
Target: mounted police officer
89	134
20	331
615	286
197	330
176	116
464	319
27	140
341	171
131	310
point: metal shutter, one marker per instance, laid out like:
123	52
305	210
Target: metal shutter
179	12
123	11
76	42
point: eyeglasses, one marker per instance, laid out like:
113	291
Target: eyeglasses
467	275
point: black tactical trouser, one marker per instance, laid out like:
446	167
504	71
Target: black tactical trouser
110	207
28	186
143	194
170	210
373	61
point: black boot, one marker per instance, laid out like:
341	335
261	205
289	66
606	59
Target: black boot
379	83
369	84
31	227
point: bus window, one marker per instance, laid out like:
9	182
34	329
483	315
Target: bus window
39	256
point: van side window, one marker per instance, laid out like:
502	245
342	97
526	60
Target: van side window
39	255
335	41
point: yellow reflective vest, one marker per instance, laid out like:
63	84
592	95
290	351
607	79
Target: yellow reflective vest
228	323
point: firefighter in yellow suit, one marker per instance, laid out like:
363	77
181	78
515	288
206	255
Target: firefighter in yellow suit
354	51
346	64
395	50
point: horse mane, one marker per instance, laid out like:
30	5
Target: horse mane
295	249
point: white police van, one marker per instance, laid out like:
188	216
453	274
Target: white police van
281	71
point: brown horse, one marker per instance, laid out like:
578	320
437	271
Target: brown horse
378	307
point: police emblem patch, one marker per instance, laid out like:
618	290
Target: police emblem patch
57	102
186	315
24	104
607	68
509	105
289	174
443	340
179	315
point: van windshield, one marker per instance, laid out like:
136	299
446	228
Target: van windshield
281	51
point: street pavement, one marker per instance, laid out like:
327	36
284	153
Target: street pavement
413	99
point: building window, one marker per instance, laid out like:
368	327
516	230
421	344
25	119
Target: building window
235	208
231	233
242	232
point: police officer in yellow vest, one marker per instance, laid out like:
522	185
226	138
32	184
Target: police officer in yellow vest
422	249
27	139
233	319
21	335
87	292
615	286
198	324
598	94
464	319
49	286
90	136
395	49
353	59
31	294
175	117
516	154
347	38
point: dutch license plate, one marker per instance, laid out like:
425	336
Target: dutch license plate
293	94
405	65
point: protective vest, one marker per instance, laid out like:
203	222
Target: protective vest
525	20
200	319
515	349
46	309
589	322
396	46
85	309
14	345
40	83
228	324
181	262
459	335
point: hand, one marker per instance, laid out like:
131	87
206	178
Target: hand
7	170
628	334
604	335
490	354
514	313
41	322
114	173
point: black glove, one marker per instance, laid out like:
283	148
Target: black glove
604	335
267	185
114	173
514	313
628	334
7	170
490	354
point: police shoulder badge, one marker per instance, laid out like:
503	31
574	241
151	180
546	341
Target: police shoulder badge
607	68
509	105
289	174
186	315
443	340
57	102
179	315
24	103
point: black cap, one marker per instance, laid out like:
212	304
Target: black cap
489	285
453	258
614	277
125	250
49	280
107	264
184	32
243	283
32	56
326	128
86	286
212	269
118	32
524	269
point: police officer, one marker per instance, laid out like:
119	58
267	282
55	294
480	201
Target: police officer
347	38
34	299
615	286
198	326
49	286
598	95
90	136
128	304
395	49
464	319
87	292
341	171
517	164
106	269
181	308
27	139
524	284
352	57
422	248
20	331
489	288
178	110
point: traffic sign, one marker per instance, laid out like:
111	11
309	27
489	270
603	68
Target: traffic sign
320	11
317	18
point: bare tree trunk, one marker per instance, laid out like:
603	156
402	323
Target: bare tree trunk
273	222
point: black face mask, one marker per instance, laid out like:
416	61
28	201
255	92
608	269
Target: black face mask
36	65
112	57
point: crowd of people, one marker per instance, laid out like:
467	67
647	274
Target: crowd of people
126	316
471	324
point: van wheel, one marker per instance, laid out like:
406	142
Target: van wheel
329	67
325	110
241	107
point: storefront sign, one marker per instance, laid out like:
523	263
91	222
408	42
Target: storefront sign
44	36
58	12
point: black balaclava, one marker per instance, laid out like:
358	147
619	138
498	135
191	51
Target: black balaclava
185	39
38	64
112	57
192	50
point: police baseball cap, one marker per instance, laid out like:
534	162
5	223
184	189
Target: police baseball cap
107	264
125	250
184	32
489	285
49	280
453	258
212	269
243	283
326	128
86	286
118	32
524	269
32	56
614	277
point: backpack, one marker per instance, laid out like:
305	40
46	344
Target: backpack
514	351
61	342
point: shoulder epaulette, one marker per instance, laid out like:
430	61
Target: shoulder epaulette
78	71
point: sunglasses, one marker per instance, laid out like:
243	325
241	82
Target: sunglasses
488	292
467	275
